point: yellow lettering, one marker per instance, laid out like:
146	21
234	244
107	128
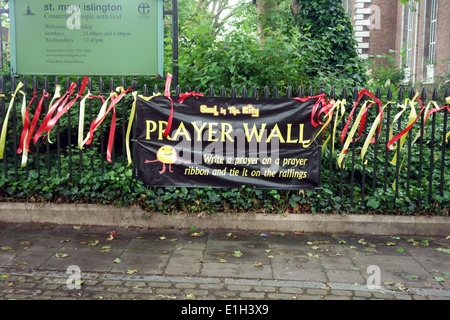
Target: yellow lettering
289	127
300	136
226	133
151	127
254	132
272	134
199	130
162	128
211	131
181	131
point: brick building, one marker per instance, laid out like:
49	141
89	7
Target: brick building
421	30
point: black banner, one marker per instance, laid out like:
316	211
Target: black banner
228	142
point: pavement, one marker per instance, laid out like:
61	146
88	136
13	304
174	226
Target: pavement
41	261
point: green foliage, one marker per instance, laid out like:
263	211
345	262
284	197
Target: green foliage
83	182
312	47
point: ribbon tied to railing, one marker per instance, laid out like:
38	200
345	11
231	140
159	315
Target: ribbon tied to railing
5	120
183	96
104	110
359	121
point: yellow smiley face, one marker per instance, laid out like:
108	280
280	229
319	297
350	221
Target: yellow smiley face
167	154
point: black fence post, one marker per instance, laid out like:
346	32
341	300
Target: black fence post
430	154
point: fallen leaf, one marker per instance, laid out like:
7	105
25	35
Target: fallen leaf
443	250
237	254
401	250
62	255
318	242
342	242
316	256
257	264
4	276
6	248
105	249
77	227
223	261
93	243
117	260
399	286
190	297
439	279
132	271
162	238
390	243
25	243
412	277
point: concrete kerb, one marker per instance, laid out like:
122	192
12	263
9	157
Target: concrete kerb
106	215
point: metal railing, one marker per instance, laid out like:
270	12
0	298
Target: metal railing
419	175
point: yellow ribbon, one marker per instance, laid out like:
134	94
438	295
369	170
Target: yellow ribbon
325	125
426	113
351	134
81	120
342	104
57	95
130	125
397	116
99	116
130	122
149	98
5	121
411	119
371	133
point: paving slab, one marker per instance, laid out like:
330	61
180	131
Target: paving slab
213	264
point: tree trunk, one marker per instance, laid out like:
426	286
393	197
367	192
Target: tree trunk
264	9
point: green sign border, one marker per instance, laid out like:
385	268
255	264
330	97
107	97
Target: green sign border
160	47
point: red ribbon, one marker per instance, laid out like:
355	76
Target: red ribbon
406	130
325	110
167	94
55	106
183	96
35	119
112	129
320	99
363	117
25	124
63	109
